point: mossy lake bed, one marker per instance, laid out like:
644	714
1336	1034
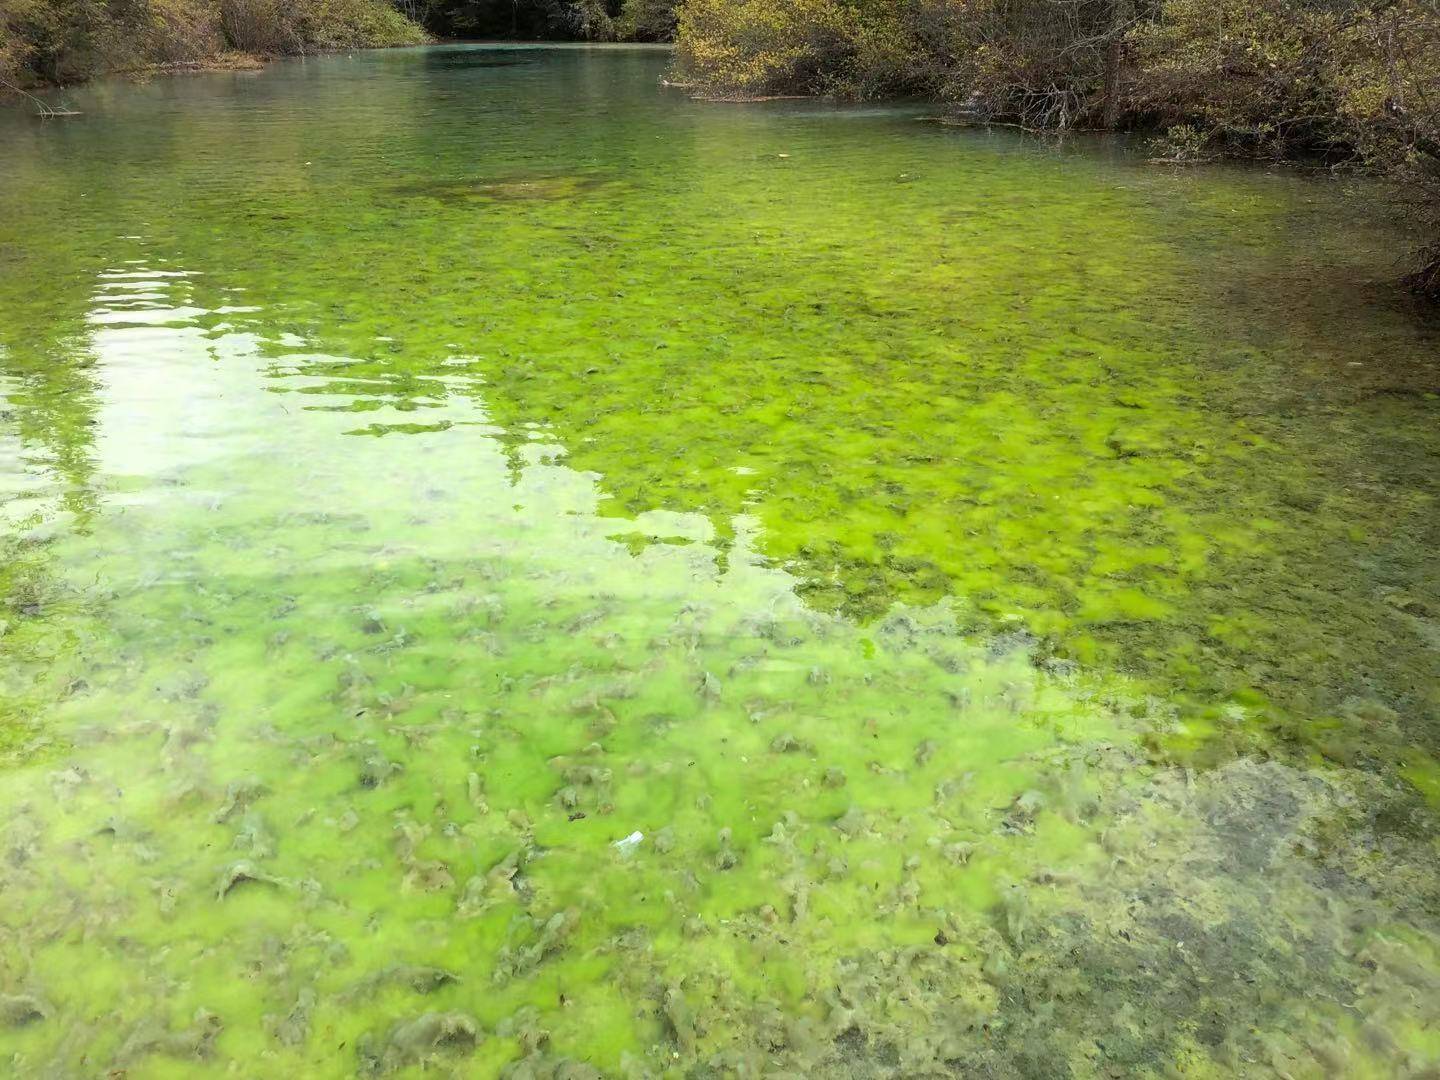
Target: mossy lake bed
512	571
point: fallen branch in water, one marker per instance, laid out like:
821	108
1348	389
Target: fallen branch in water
42	110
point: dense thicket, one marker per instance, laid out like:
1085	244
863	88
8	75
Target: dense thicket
1357	80
58	41
592	20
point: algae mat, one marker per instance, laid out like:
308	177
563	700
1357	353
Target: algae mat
509	571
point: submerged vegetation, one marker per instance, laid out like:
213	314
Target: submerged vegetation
1341	82
1354	81
509	572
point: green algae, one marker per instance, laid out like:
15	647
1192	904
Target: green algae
794	622
518	187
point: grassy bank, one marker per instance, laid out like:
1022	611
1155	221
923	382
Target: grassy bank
43	42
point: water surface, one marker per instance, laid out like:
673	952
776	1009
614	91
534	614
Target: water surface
507	570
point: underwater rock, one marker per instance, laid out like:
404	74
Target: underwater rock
495	886
537	1063
584	783
1049	876
548	1067
353	683
376	769
182	737
239	794
959	852
995	966
121	830
1015	914
427	875
681	1021
524	1027
782	833
552	937
925	751
183	686
786	744
834	777
252	836
948	788
196	1041
726	858
1409	604
240	872
1021	815
476	792
65	782
1073	800
852	823
710	687
420	978
17	1010
1029	804
166	894
21	841
1333	1054
421	1041
294	1027
409	834
797	891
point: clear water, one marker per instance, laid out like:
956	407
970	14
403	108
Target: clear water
507	570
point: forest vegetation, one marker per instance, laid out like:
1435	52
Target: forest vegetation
1345	83
50	42
66	41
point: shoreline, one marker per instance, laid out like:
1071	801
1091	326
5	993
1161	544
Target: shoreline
240	60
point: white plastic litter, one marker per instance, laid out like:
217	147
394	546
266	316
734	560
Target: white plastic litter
629	843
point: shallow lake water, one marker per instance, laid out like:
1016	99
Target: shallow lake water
506	570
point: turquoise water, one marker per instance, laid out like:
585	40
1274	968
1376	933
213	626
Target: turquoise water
509	570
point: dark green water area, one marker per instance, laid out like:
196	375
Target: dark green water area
509	571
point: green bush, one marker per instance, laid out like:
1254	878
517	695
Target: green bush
587	20
273	27
61	41
749	47
646	20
